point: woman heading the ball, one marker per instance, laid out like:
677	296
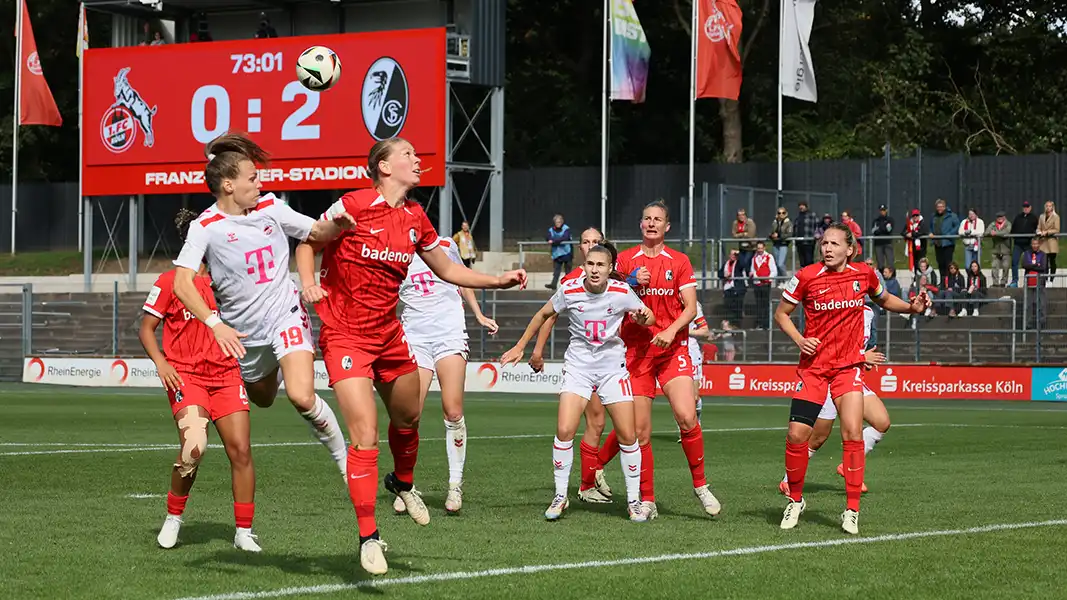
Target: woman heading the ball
596	306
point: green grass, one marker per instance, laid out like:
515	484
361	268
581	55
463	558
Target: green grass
36	264
68	528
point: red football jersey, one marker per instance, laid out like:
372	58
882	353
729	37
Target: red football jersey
188	344
577	273
671	272
363	268
833	311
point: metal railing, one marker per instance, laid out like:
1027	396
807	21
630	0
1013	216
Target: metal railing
24	313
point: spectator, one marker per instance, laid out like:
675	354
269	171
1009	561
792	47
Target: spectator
857	232
944	229
1048	226
733	287
1035	265
805	228
780	235
922	282
465	243
952	288
915	233
727	337
559	235
157	39
202	33
745	230
976	289
1023	227
971	230
924	269
882	228
762	274
821	228
892	285
999	231
265	30
869	261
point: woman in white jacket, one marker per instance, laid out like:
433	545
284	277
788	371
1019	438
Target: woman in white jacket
971	230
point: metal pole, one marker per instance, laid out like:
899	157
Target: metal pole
27	319
888	174
81	141
115	318
19	4
132	282
919	194
444	204
1038	315
496	182
87	244
604	105
1014	314
692	112
781	43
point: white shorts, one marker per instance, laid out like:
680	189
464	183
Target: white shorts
612	387
829	409
291	333
427	354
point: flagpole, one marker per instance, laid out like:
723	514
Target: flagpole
15	127
605	102
781	41
692	112
81	140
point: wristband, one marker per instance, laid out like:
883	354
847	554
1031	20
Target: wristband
632	279
212	321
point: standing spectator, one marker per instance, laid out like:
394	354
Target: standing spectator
999	230
821	228
945	228
1035	264
805	228
971	230
559	235
745	230
883	228
265	30
465	243
780	235
1048	226
762	275
915	233
733	287
857	232
1023	227
976	288
952	287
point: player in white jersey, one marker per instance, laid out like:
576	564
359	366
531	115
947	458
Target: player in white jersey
244	239
698	331
595	361
436	330
874	411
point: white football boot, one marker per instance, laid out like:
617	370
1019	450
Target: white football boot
850	522
792	513
555	510
245	540
168	534
372	557
708	500
454	499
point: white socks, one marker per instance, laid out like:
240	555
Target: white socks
562	459
871	436
325	427
456	449
700	407
811	452
630	458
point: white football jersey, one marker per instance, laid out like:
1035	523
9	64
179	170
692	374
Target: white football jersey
594	321
433	308
248	257
868	327
696	354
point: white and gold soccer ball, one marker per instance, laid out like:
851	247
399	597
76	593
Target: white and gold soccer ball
318	68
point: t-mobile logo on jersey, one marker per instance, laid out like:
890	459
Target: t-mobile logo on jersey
264	259
423	282
594	330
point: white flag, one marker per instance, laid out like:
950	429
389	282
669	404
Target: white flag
797	75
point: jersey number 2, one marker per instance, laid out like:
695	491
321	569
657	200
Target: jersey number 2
293	336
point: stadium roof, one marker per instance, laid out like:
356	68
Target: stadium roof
185	8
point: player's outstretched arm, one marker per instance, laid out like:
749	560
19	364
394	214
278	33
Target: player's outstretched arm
917	306
472	301
305	269
228	339
147	334
781	318
537	360
513	356
443	267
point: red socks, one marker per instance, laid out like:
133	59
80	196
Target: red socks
404	444
363	486
693	447
590	459
648	488
796	467
608	449
854	461
243	513
176	504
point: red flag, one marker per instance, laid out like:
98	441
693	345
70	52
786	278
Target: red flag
36	104
718	49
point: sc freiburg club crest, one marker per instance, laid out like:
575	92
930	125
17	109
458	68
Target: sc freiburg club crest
385	98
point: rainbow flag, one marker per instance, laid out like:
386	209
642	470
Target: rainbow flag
630	53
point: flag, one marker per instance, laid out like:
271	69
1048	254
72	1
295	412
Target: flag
83	33
797	75
630	53
36	104
718	55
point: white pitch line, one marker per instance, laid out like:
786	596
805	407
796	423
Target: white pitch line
145	496
597	564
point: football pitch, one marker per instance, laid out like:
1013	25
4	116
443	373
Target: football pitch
966	501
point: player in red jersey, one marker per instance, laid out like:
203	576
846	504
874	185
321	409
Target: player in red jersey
594	486
833	293
362	340
203	385
664	280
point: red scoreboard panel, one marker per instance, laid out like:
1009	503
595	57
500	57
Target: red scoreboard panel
148	111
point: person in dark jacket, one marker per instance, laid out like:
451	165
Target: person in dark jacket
883	249
820	229
732	274
976	288
1035	265
1024	225
952	288
559	237
944	223
892	284
915	233
804	227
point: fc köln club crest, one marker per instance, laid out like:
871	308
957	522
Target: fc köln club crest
129	113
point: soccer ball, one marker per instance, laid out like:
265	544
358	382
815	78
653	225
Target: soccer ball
318	68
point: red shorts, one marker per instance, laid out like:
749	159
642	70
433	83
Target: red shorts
647	369
813	384
219	400
381	358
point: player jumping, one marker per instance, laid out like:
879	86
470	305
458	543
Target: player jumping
363	342
203	385
833	294
244	240
595	362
